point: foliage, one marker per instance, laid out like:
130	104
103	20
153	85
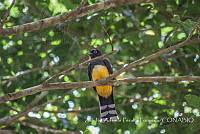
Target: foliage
138	30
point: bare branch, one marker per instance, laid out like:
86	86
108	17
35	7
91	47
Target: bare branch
166	58
28	27
108	36
11	107
151	57
22	73
12	119
46	129
39	88
77	66
96	108
7	14
108	43
157	54
89	84
34	8
82	4
6	131
36	100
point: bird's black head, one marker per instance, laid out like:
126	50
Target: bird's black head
94	53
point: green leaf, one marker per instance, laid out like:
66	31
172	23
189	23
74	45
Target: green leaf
166	30
87	131
181	36
151	69
193	100
14	11
194	125
56	42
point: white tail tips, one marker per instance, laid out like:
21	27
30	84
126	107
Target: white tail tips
110	119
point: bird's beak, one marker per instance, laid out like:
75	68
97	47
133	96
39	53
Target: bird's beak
89	53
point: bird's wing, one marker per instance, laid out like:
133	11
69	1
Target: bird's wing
108	65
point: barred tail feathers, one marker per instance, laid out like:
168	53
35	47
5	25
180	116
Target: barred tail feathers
107	109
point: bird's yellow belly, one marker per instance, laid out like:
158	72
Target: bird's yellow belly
100	72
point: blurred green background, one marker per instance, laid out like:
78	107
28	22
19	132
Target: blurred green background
137	31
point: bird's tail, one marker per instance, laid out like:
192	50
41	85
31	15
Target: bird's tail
107	109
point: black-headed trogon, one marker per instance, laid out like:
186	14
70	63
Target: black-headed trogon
98	70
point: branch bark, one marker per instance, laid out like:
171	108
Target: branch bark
151	57
46	129
74	14
36	100
89	84
11	119
108	80
167	58
6	131
22	73
77	66
117	105
5	18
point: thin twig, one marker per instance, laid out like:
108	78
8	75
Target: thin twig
7	131
151	57
89	84
157	54
194	28
22	73
96	108
72	15
39	88
108	36
36	100
12	119
107	43
75	67
5	18
46	129
82	4
166	58
11	107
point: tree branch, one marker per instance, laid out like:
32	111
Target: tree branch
6	131
166	58
28	27
22	73
157	54
46	129
11	108
77	66
12	119
7	14
82	4
89	84
96	108
45	87
131	65
150	57
36	100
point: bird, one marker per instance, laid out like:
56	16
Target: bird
98	70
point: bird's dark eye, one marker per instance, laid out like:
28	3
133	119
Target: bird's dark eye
95	51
